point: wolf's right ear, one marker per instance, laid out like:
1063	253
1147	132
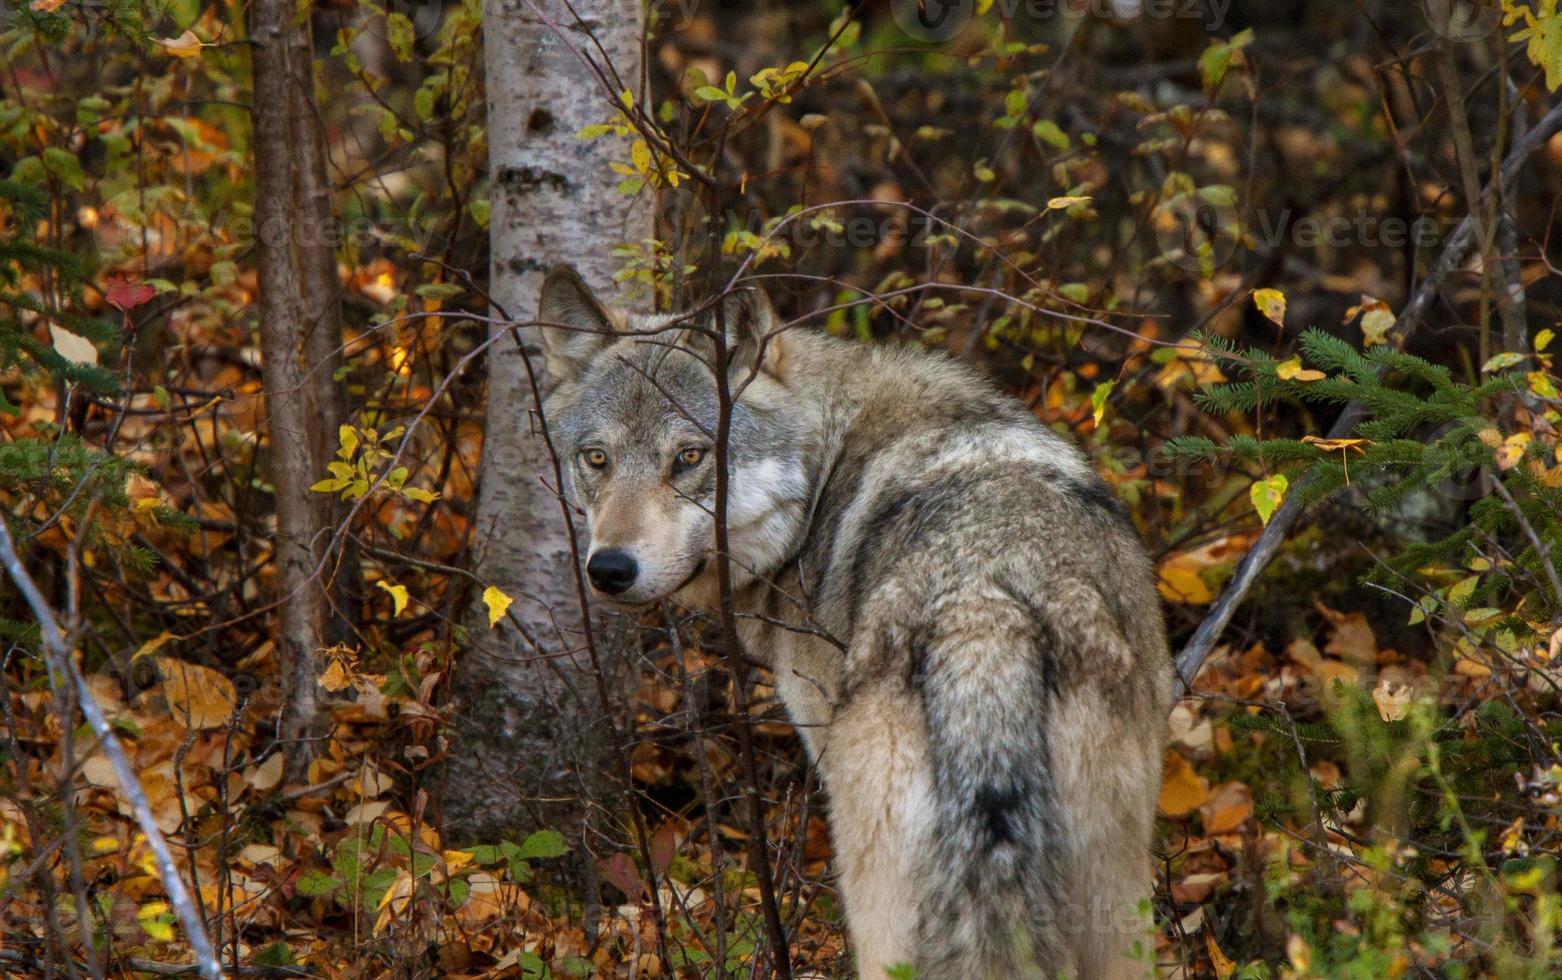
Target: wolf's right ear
575	324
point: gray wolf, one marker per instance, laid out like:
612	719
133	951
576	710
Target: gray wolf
959	615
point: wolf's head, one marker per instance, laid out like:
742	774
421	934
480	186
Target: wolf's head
634	421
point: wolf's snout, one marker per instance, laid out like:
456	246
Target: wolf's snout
612	570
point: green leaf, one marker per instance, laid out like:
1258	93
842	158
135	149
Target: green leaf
400	35
316	883
543	844
1048	132
1219	195
1098	399
1267	495
64	167
277	954
1502	361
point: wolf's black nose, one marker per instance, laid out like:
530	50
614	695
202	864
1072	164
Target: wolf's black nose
612	570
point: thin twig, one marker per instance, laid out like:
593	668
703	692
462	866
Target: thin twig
60	663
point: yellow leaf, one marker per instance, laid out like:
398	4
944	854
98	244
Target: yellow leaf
1375	325
1267	495
1178	580
1271	303
46	6
143	493
1513	837
498	604
77	350
1512	450
198	697
1066	202
395	900
1182	789
1223	965
640	156
157	920
151	646
398	594
1292	370
186	45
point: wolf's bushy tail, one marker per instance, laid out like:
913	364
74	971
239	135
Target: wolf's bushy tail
994	867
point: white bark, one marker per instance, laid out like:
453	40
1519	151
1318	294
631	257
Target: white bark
529	735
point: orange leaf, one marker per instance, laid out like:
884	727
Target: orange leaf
1182	789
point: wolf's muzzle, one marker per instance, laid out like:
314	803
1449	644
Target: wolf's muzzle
612	570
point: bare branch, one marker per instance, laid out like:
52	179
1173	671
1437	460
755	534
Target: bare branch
61	665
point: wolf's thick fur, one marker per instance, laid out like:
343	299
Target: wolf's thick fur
959	615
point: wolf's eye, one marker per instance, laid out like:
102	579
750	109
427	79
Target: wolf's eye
595	458
688	459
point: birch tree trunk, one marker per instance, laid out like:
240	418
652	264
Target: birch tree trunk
530	735
299	306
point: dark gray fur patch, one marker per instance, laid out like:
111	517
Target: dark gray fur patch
1094	494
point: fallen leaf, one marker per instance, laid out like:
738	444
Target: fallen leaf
1182	789
197	697
1224	967
337	676
1228	808
1178	580
268	774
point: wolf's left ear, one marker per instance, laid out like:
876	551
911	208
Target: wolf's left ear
753	332
575	323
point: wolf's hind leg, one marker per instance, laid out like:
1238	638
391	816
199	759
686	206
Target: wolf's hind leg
878	774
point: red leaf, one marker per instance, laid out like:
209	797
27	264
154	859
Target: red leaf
620	871
664	844
128	295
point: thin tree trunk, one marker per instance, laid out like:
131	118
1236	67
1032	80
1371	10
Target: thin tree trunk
321	292
299	322
530	736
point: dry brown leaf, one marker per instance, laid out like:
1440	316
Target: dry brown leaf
267	775
197	697
1228	808
1393	699
1353	640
